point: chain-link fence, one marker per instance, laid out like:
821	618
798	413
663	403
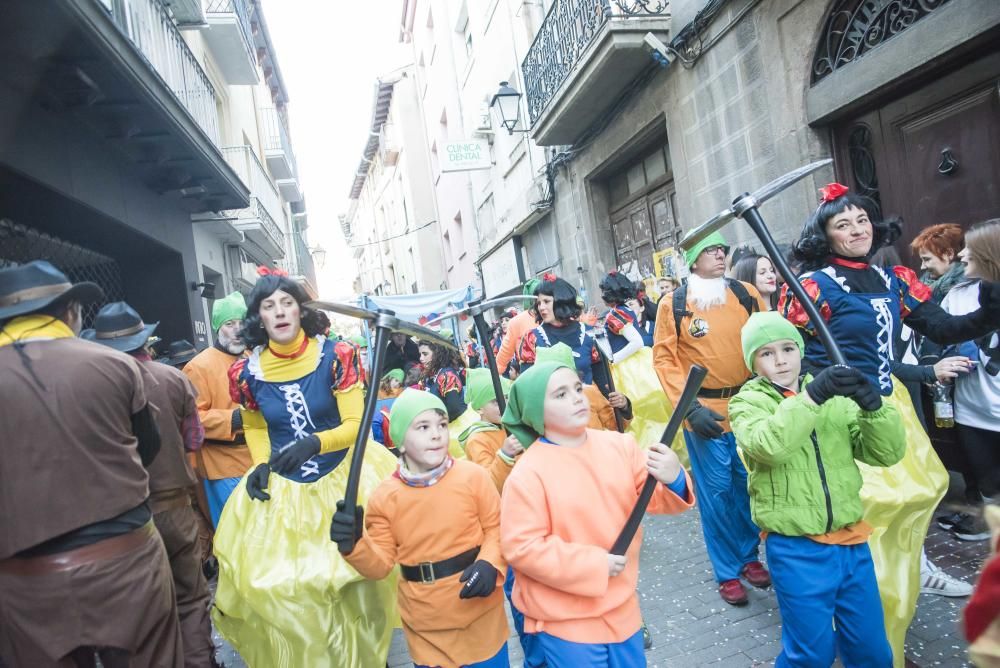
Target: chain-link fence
20	243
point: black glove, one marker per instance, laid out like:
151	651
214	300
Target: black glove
236	422
345	530
295	455
837	380
257	483
480	580
989	296
867	397
704	421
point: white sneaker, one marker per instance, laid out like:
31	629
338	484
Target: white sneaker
935	581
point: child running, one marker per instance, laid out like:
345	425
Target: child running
800	449
564	505
439	519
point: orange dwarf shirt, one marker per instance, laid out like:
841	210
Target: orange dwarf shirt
602	414
409	525
209	373
719	349
562	509
519	325
482	448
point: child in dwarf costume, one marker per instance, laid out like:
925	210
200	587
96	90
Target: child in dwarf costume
485	442
602	411
439	519
563	506
800	436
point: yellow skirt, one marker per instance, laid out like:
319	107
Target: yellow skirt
651	410
286	597
455	429
899	502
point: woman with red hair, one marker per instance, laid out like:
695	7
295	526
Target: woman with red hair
938	247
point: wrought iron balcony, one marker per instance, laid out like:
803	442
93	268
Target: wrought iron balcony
148	26
231	40
265	208
277	147
584	55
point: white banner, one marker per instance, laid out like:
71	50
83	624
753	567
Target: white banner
500	270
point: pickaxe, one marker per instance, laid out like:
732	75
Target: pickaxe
604	350
745	207
384	322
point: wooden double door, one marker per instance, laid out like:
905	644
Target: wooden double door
931	156
643	226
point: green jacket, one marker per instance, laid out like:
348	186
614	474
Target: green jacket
800	457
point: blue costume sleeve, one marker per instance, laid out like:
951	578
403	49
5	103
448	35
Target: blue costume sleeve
679	486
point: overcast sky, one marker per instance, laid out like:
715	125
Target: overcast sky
331	53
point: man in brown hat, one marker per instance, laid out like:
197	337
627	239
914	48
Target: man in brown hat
120	327
83	571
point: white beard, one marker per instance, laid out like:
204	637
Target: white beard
233	346
706	293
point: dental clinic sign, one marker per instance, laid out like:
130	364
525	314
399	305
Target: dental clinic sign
466	155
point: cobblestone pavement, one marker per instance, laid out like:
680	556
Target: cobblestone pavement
691	626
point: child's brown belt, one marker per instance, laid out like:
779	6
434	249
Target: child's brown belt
429	571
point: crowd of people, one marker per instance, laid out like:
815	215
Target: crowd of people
131	482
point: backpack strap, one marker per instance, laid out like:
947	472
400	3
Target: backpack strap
737	288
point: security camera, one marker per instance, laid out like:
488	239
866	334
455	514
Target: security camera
660	52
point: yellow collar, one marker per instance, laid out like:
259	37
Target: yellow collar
31	327
290	347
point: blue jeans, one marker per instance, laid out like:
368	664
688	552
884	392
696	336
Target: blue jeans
731	538
829	603
533	655
498	660
565	654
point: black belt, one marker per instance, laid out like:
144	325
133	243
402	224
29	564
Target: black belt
236	442
719	392
428	571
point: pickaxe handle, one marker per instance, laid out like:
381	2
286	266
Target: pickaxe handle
756	223
358	458
691	386
483	330
619	420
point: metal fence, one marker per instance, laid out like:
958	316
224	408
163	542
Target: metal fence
239	8
566	34
20	244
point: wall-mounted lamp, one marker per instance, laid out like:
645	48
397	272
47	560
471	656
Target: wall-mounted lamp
207	289
507	102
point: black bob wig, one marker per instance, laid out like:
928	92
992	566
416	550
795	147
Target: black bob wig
617	288
253	333
813	248
564	306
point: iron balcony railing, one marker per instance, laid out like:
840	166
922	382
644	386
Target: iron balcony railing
568	31
265	202
239	8
149	27
276	136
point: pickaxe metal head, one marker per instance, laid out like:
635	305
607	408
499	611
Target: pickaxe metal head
385	319
474	308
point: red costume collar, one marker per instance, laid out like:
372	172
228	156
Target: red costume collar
288	356
850	264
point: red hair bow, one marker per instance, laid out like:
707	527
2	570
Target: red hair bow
549	277
831	191
267	271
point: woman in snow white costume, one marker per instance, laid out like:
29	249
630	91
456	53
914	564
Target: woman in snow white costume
286	597
863	305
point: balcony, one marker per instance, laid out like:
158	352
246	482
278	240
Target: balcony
277	148
122	72
583	58
259	221
229	37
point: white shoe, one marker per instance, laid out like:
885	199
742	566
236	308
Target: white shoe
935	581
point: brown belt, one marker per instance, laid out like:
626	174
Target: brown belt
81	556
160	502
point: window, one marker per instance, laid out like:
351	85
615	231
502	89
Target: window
448	257
459	236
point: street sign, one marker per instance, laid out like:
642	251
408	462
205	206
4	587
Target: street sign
466	155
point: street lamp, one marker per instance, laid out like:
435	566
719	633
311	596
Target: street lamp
508	100
318	255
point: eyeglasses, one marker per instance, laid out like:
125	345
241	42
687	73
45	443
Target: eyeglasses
715	250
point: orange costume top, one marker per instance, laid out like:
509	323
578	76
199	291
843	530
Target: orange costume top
718	347
562	509
483	448
519	325
409	525
220	457
602	414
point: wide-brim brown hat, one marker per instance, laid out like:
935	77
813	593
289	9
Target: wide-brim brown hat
36	285
179	353
120	326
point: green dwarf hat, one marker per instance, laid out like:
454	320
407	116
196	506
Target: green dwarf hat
560	353
408	406
359	341
713	239
479	387
526	402
529	288
230	307
395	373
764	328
